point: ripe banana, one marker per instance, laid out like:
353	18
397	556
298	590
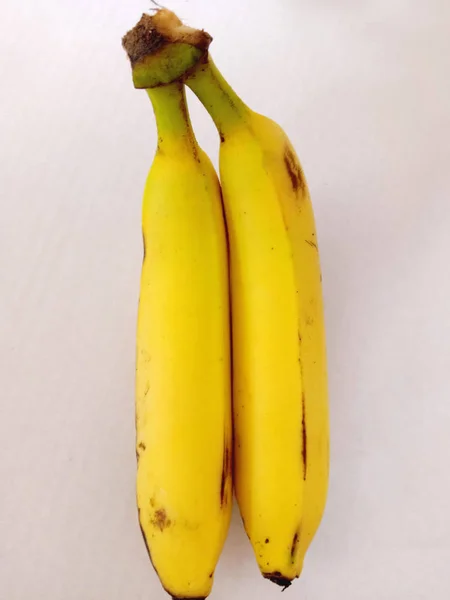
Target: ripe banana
183	390
279	356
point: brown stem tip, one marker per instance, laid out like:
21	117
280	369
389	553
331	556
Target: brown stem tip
154	32
277	577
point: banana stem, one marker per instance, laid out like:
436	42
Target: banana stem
172	116
218	97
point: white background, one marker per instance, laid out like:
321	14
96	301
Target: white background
363	89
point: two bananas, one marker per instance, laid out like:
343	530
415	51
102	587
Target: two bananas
231	387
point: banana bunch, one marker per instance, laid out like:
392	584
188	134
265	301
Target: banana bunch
238	285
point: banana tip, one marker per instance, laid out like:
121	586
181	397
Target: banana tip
181	598
279	579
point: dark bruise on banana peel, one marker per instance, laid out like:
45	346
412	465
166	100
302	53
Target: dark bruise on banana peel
226	474
163	50
294	170
295	541
277	577
304	438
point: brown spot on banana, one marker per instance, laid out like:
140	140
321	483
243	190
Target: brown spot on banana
160	519
312	244
294	545
144	248
294	170
141	447
304	437
226	473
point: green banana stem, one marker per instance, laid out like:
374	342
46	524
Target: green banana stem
172	117
163	51
218	97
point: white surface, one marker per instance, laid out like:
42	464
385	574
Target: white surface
362	88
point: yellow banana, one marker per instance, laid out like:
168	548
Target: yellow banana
279	356
183	396
280	405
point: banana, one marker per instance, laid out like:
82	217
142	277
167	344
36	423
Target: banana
280	405
183	390
280	413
